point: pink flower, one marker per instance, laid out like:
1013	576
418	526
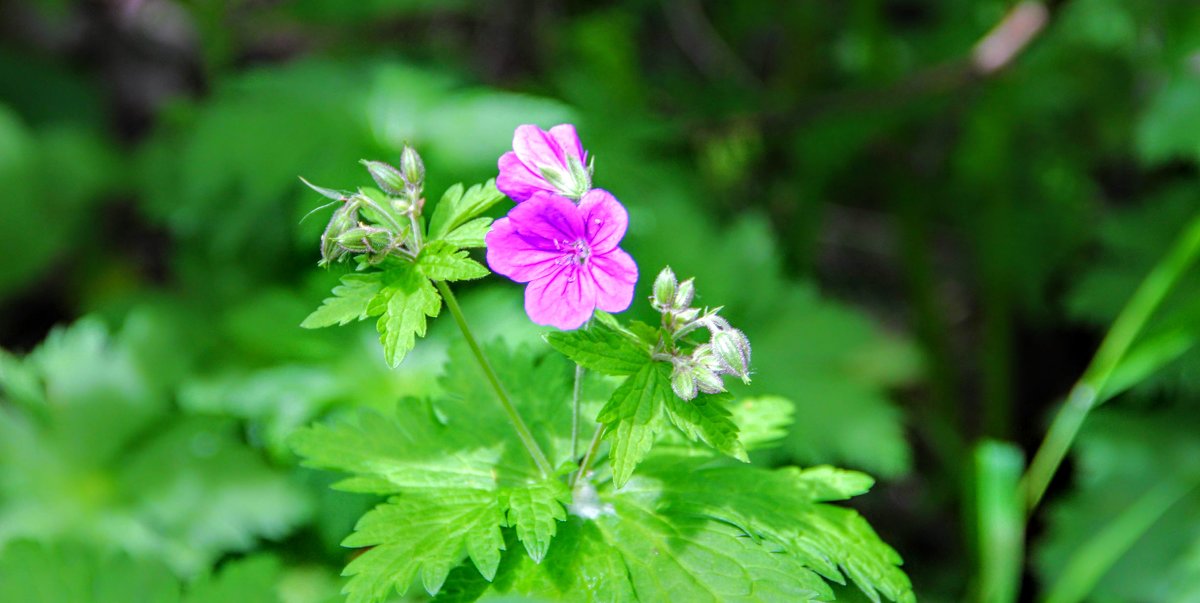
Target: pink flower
552	162
568	254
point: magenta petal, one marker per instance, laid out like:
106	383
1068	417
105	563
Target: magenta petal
568	141
512	255
615	273
516	181
562	299
536	148
547	221
604	219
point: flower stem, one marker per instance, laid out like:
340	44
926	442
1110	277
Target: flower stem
1090	390
589	456
535	451
576	397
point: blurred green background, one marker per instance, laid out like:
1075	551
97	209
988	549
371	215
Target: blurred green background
925	251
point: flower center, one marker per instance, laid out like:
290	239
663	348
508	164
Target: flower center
576	252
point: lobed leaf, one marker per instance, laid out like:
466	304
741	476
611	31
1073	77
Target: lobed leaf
535	511
442	261
405	301
470	234
426	533
782	506
351	301
601	348
633	417
762	421
706	419
457	207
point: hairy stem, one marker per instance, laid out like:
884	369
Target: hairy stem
576	398
535	451
1088	392
589	456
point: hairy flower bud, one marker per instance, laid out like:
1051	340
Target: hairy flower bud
365	239
732	349
685	293
412	168
707	380
344	219
683	382
387	177
664	289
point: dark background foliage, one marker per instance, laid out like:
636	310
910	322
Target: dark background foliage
925	250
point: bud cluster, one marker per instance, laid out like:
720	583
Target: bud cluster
700	369
374	223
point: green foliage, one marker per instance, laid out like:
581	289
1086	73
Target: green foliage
457	209
350	302
633	417
462	488
52	178
72	573
706	419
406	299
443	261
1130	244
600	347
402	295
90	450
423	533
1125	532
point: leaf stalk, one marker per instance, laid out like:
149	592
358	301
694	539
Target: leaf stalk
514	417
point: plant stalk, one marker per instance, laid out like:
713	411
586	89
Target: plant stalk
576	400
1089	390
589	456
514	417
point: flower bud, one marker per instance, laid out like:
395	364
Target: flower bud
664	289
685	294
345	218
387	177
707	380
683	383
572	183
732	348
580	175
687	315
412	168
364	239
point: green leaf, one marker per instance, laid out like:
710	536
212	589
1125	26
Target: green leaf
470	234
98	459
781	506
457	207
406	299
762	421
539	385
426	533
351	300
580	566
442	261
1129	529
601	348
410	451
674	558
73	573
633	417
535	511
252	579
706	419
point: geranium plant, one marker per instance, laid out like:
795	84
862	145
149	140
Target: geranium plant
608	465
